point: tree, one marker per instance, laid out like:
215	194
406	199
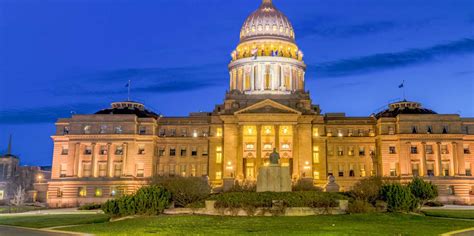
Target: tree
184	190
19	196
368	189
423	191
398	197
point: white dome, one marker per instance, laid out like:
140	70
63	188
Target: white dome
267	22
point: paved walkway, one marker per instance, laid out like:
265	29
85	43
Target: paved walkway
20	231
451	207
55	212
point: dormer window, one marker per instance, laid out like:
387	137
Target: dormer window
414	130
445	129
66	130
118	130
103	129
429	130
142	130
162	132
87	129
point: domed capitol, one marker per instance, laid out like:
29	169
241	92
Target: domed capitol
119	149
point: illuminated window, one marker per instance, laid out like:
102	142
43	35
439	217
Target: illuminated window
361	151
66	130
103	150
315	132
82	192
444	149
339	133
161	151
391	130
204	170
267	146
140	170
362	170
219	132
195	134
141	150
429	149
285	146
268	130
285	130
87	129
445	167
393	169
119	150
183	152
316	154
219	155
468	169
350	151
415	169
218	175
193	170
182	170
98	192
316	175
2	194
250	146
118	130
340	151
63	170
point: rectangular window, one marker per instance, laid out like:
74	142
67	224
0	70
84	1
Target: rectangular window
119	150
444	149
219	132
63	171
98	192
172	170
117	170
330	150
315	132
182	170
66	130
204	170
316	155
118	130
393	169
218	175
204	152
88	150
445	169
193	170
341	170
194	152
161	151
285	146
468	169
350	151
350	133
82	192
184	132
392	150
103	129
414	150
162	132
466	149
429	149
351	170
65	150
183	152
103	150
172	152
362	170
140	170
219	155
267	146
141	150
249	146
87	169
340	151
361	151
391	130
102	169
173	132
330	170
415	169
430	169
316	175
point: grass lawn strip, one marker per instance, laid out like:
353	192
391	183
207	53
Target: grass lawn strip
48	221
457	214
360	224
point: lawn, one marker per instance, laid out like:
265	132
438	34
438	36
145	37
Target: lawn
461	214
45	221
13	209
360	224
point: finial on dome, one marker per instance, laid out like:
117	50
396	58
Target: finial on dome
267	2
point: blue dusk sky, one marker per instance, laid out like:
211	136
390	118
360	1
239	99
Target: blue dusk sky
59	56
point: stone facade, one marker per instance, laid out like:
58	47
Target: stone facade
117	150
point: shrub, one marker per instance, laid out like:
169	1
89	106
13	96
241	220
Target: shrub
90	206
250	201
434	204
398	197
151	200
305	185
360	206
185	190
367	190
245	186
423	191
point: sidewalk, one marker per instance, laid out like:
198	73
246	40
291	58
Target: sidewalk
61	211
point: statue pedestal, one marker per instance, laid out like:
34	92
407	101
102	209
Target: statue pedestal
274	178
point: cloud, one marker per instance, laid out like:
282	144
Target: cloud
385	61
44	114
149	80
342	31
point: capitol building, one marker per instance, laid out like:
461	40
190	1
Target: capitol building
119	149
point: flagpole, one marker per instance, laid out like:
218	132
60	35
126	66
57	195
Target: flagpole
404	95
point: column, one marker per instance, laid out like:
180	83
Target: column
405	168
296	156
291	79
282	77
423	170
262	77
439	166
125	158
259	148
77	153
79	161
277	137
109	161
252	78
453	164
94	160
239	169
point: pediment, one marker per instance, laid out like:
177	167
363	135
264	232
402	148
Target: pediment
268	106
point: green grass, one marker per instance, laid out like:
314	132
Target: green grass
13	209
360	224
45	221
461	214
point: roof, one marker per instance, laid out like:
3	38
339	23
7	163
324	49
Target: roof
128	108
404	107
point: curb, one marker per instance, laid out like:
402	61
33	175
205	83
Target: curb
458	232
48	230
